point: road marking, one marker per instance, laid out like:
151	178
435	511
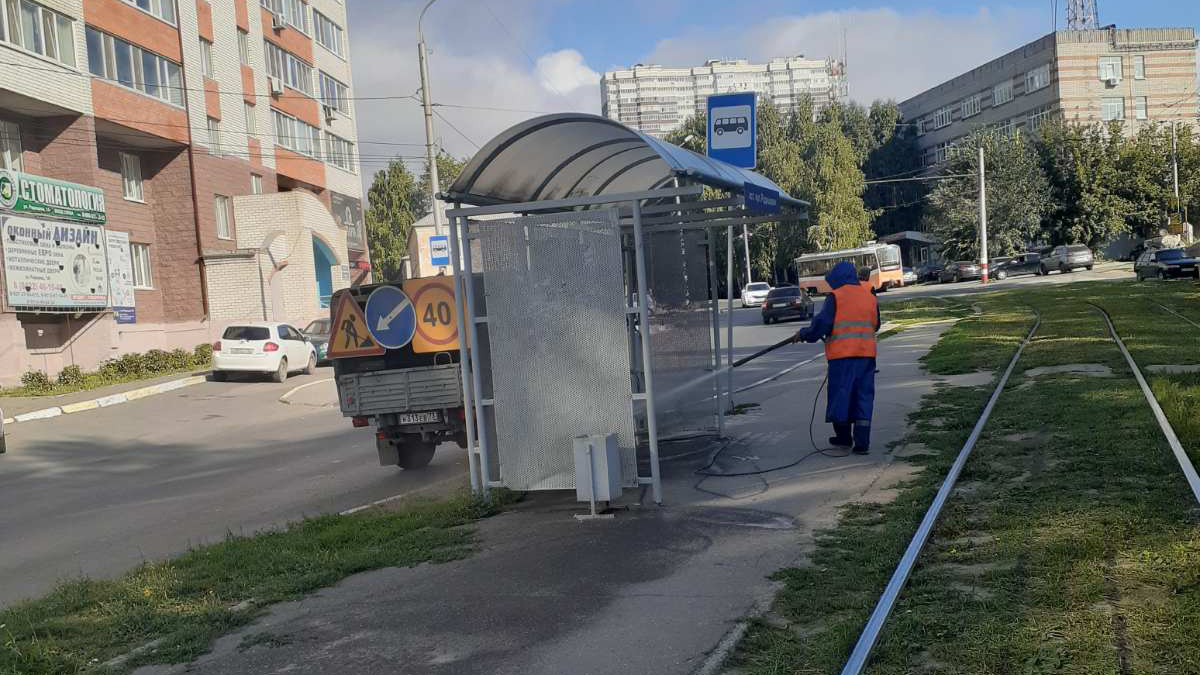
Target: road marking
285	397
402	495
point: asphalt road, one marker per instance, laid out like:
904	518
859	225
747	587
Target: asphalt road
98	492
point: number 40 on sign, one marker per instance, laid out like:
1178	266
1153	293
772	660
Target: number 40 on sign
437	319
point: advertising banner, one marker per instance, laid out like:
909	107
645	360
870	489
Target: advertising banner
120	277
32	195
348	213
49	264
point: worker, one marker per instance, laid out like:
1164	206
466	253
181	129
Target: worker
848	322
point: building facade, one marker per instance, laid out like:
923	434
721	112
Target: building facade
657	100
1137	76
213	144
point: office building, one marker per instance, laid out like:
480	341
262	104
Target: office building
657	99
169	167
1136	76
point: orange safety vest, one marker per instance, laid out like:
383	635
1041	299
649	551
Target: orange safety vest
854	323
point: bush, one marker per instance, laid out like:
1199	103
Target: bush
70	376
202	354
181	359
157	361
35	380
128	365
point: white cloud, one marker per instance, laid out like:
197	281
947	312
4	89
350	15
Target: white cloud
891	54
564	71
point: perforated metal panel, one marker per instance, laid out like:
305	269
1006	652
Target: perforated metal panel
558	350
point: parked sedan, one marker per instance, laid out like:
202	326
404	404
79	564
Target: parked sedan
909	276
754	294
962	270
1068	259
1167	263
276	349
786	302
1026	263
317	333
930	272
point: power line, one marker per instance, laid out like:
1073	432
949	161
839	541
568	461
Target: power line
920	179
460	133
487	5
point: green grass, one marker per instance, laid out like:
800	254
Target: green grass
91	381
1071	543
187	602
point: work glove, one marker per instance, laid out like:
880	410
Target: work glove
804	335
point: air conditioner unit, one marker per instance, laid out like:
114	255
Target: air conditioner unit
278	23
276	85
330	113
1113	81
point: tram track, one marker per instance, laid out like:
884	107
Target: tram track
878	619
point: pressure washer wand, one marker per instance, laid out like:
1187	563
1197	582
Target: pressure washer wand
764	352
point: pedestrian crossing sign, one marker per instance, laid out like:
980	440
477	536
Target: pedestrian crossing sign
349	336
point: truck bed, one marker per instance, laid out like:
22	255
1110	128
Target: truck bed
409	389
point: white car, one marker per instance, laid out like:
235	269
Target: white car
275	349
754	294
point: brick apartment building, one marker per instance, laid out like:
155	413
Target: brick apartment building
1137	76
168	167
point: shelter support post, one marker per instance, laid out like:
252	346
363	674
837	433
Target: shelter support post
476	377
716	329
464	359
647	362
728	405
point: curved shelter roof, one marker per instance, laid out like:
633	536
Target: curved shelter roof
579	155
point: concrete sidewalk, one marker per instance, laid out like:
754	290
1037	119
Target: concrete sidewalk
654	591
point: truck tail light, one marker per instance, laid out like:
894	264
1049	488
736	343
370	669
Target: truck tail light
382	435
217	346
360	421
270	347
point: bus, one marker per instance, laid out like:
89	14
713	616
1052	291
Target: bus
882	259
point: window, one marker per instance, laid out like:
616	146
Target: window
243	47
251	120
329	34
224	216
141	265
943	118
39	30
1038	117
163	9
1038	78
206	62
10	146
131	177
295	135
972	105
1110	67
1139	67
1112	109
1141	108
288	67
293	12
214	135
1002	93
118	61
256	187
335	94
339	152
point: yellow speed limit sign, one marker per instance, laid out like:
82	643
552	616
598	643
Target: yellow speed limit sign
437	319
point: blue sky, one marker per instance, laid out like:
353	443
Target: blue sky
548	55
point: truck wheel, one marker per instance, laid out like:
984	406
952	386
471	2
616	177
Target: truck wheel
415	454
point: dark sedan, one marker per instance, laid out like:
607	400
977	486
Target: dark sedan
1026	263
317	333
786	302
962	270
1167	263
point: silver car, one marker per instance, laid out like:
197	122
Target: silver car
1068	259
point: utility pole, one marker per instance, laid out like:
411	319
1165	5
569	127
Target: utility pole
983	253
1175	166
746	240
427	102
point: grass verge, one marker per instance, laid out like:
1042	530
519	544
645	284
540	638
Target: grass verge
1070	544
182	605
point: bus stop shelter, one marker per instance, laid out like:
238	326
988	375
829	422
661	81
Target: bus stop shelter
591	307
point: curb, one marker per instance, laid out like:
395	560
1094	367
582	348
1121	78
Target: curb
286	398
106	401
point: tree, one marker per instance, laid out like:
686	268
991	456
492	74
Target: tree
1081	164
395	201
1018	197
840	219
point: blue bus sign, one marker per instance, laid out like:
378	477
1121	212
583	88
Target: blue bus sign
733	129
761	199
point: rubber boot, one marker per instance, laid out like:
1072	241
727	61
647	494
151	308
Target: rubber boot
842	438
862	437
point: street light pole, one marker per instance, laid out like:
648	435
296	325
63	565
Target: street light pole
983	252
1175	165
746	240
427	102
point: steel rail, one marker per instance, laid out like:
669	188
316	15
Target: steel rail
887	601
1168	309
1185	462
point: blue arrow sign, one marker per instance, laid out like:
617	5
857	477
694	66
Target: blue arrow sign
733	129
391	317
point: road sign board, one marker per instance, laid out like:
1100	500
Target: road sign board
391	317
439	250
349	336
761	199
733	129
437	320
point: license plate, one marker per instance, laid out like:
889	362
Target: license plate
241	350
419	418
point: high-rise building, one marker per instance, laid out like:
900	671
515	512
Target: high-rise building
169	168
657	99
1138	77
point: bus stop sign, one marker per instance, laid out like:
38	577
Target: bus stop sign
733	129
